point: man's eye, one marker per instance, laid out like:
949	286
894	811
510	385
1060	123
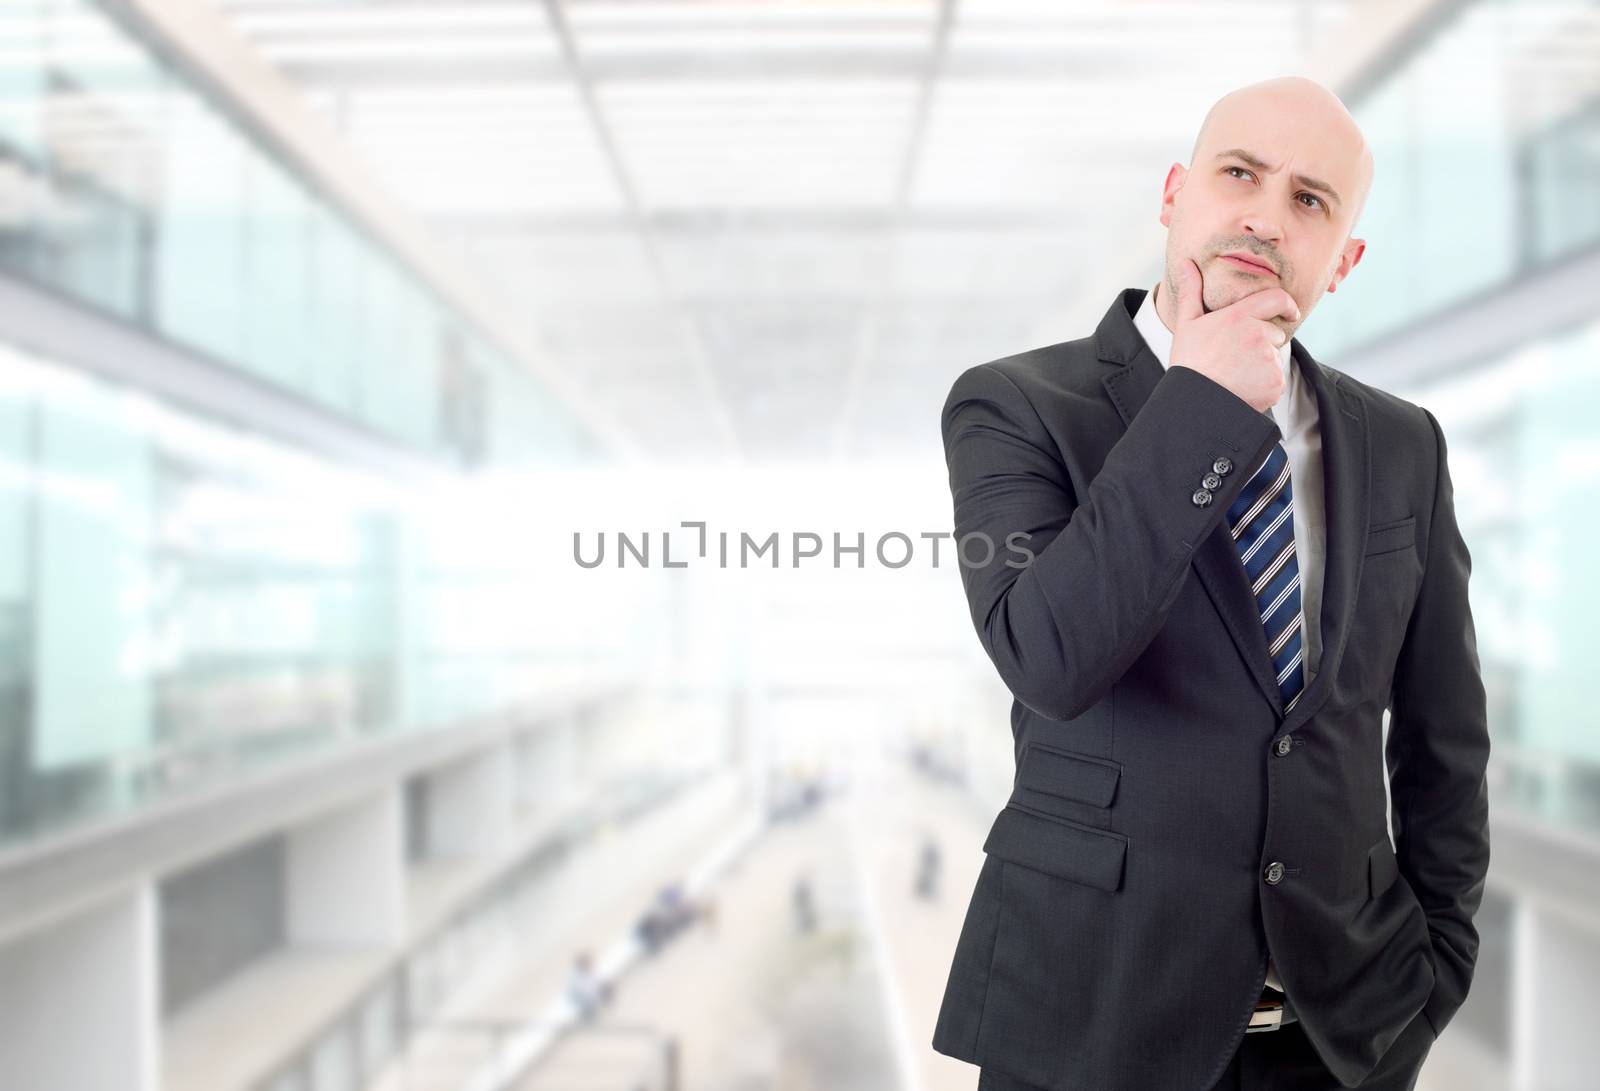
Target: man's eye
1229	171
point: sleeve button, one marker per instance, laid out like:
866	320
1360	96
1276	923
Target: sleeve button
1222	465
1201	497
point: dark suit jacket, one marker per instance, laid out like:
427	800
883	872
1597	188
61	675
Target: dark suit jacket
1118	934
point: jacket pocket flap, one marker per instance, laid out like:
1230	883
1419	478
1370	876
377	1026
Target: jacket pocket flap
1392	536
1382	868
1058	847
1072	776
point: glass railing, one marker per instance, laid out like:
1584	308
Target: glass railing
370	1042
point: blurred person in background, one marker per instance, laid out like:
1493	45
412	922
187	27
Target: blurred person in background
1249	556
585	989
669	913
804	905
925	883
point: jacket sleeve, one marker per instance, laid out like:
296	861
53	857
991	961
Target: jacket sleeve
1437	751
1066	591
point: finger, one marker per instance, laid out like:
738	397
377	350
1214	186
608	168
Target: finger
1269	303
1275	334
1190	289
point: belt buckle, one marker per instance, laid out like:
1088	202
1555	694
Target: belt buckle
1268	1015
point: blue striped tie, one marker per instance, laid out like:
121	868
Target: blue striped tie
1262	522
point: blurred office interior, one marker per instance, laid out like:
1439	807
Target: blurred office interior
334	332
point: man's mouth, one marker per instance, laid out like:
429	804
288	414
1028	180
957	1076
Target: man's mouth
1250	265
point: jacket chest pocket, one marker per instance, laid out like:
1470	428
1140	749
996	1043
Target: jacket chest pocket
1392	536
1391	575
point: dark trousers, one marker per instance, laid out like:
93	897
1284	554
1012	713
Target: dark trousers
1285	1060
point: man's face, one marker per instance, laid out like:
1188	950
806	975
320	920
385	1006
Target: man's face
1278	175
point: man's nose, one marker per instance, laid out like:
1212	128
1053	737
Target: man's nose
1260	221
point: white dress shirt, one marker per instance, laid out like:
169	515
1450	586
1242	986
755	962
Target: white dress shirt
1296	417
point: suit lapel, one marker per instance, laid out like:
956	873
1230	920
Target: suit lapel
1225	581
1345	461
1347	502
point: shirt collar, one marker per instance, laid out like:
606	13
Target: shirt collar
1159	338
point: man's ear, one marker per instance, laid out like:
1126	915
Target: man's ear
1174	182
1347	261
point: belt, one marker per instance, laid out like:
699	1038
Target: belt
1271	1012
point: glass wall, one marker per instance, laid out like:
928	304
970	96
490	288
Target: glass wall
1486	145
181	601
123	187
1525	460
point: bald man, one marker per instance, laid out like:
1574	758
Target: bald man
1206	565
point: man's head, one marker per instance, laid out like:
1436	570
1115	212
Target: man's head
1279	172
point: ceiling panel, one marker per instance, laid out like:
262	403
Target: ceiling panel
769	230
